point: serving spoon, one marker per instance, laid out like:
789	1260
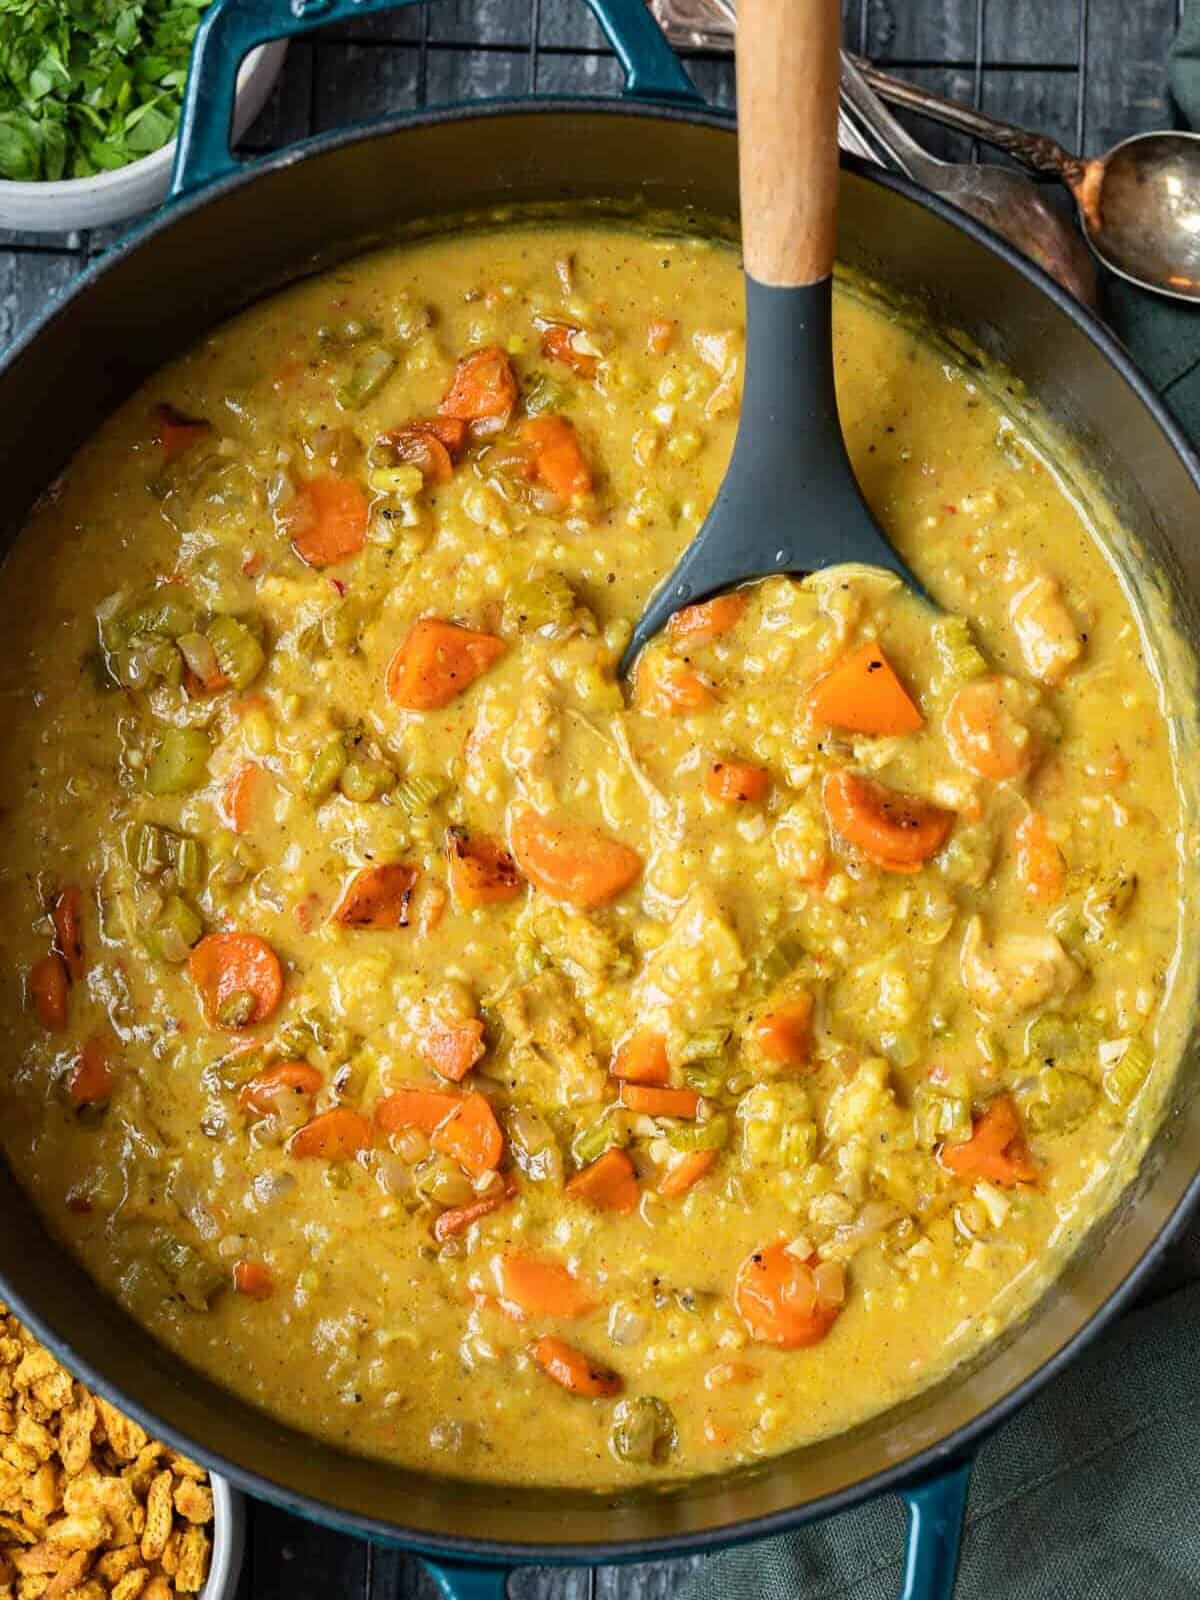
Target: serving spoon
1007	202
789	502
1139	205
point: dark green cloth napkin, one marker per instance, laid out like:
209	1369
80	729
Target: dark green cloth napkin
1092	1491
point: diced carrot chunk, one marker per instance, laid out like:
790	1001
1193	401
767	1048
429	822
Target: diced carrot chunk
174	432
742	781
484	388
326	520
437	662
534	1286
48	986
238	978
609	1183
92	1079
996	1149
67	916
1040	865
660	1102
239	795
453	1051
708	619
685	1173
577	1373
482	873
778	1298
642	1058
667	687
660	335
862	694
572	862
471	1135
558	463
896	831
253	1279
271	1087
378	897
784	1033
457	1219
335	1135
984	732
415	1107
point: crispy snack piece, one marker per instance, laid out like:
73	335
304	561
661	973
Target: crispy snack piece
91	1508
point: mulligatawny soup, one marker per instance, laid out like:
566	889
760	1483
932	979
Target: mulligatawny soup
453	1051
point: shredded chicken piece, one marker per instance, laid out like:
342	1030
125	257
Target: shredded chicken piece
1014	972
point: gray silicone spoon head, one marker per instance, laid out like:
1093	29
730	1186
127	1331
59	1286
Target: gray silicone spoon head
790	502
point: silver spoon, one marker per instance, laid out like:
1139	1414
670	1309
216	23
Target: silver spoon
789	501
1139	205
1007	202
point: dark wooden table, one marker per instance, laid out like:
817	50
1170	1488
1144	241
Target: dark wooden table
1087	71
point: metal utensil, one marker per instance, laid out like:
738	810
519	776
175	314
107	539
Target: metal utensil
790	501
1007	202
1139	205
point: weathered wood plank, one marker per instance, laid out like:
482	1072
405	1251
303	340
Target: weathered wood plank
287	114
354	82
1126	78
289	1559
1045	102
936	30
459	76
578	75
28	284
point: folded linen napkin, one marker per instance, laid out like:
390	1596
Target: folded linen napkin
1090	1492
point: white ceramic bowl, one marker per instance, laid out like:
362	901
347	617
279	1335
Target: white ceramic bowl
68	203
229	1541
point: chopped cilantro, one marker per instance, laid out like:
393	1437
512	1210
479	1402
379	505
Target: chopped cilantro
89	85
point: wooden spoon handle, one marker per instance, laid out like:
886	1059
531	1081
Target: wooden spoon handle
788	73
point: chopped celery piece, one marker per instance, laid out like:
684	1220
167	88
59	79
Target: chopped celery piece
148	848
1052	1039
180	763
1058	1101
710	1135
536	603
419	792
604	1134
1123	1081
326	769
237	1009
164	611
700	1046
544	393
1106	902
367	379
940	1118
189	861
175	932
706	1077
239	653
955	644
643	1431
364	779
189	1273
777	1125
403	482
780	960
353	331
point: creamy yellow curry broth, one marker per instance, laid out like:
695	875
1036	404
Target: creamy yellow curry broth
489	1075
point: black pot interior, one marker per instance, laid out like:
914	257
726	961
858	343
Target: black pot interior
209	260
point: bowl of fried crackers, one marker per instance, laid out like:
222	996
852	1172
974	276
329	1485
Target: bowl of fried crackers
93	1508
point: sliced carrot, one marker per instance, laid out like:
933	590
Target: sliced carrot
642	1058
736	780
660	1102
437	662
239	795
896	831
667	687
453	1051
413	1107
335	1135
536	1287
421	444
609	1183
377	897
482	873
687	1172
862	694
253	1279
238	978
174	432
263	1093
996	1149
660	335
572	862
67	916
471	1135
457	1219
48	985
709	619
776	1296
1040	865
558	463
577	1373
326	520
558	342
484	388
92	1079
984	733
784	1033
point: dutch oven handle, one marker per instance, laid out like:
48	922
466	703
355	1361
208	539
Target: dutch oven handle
936	1508
230	29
